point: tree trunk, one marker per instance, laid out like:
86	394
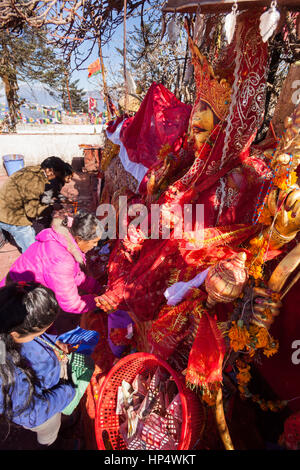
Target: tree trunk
68	90
11	88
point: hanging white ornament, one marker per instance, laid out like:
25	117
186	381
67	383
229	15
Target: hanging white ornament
131	86
269	21
173	30
230	23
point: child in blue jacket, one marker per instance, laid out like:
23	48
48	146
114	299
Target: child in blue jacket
32	391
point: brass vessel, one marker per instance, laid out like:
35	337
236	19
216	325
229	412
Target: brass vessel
226	279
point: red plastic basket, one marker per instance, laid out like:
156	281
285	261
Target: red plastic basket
127	369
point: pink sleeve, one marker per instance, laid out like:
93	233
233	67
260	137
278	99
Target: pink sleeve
60	278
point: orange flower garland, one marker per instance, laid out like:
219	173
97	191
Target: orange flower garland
265	217
249	340
284	182
239	337
258	247
243	377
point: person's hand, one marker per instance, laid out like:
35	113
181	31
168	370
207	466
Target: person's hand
65	349
103	304
266	306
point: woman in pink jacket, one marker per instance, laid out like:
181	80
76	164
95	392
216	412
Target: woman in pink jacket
56	258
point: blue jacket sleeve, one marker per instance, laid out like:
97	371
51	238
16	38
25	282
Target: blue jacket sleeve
43	360
43	407
52	395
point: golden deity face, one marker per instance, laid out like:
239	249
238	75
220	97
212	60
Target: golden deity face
202	122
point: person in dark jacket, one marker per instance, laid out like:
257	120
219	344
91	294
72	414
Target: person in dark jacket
54	186
32	393
20	199
52	198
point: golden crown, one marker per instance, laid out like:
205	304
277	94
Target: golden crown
214	91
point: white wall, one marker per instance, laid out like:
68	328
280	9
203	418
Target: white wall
59	129
37	145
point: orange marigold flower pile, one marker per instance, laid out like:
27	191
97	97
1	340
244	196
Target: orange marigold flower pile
283	181
239	337
258	247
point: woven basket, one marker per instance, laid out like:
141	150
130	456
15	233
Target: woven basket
127	369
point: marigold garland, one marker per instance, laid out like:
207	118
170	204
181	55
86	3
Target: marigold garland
251	339
258	248
239	337
265	217
243	377
284	182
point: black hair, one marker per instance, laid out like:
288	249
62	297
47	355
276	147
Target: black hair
26	308
85	226
56	163
59	166
68	170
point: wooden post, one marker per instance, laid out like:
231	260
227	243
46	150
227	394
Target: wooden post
103	78
221	422
125	69
68	90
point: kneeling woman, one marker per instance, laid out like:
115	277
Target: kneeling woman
31	392
56	260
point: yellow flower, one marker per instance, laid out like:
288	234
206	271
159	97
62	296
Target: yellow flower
265	216
271	349
256	242
262	338
243	377
281	181
256	271
253	330
293	178
239	337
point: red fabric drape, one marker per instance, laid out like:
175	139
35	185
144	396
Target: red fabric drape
161	119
